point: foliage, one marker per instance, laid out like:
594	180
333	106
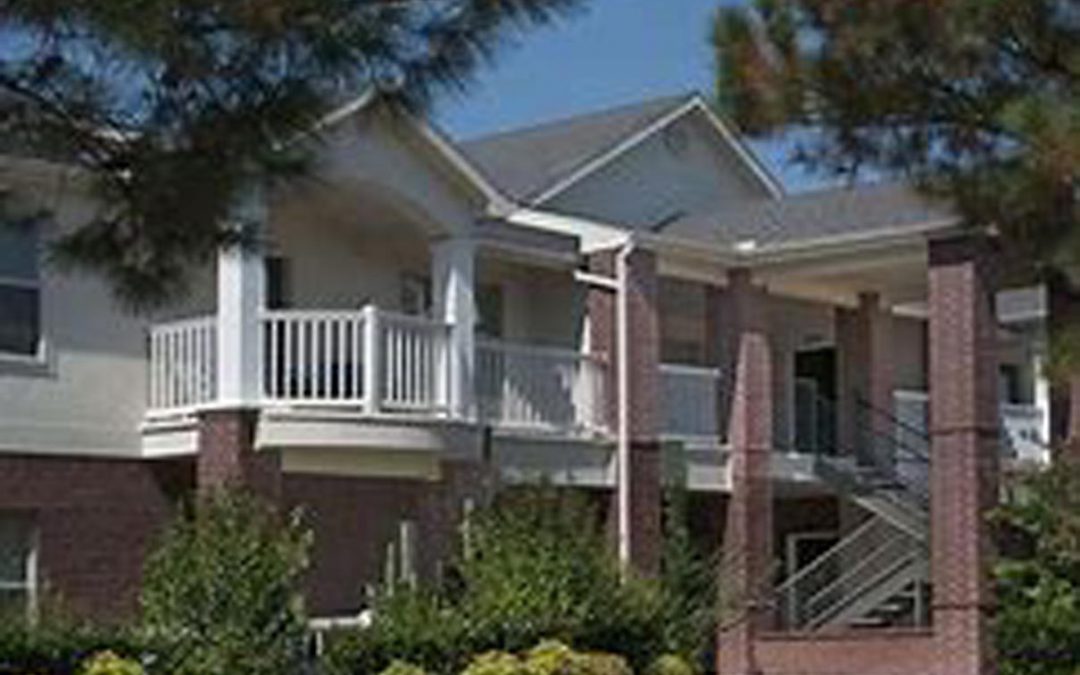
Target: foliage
60	647
538	568
403	668
671	664
169	106
222	590
550	657
689	576
977	100
495	663
1038	624
108	663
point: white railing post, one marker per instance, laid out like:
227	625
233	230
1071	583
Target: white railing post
453	275
240	300
372	367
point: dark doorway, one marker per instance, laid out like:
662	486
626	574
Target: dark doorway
815	400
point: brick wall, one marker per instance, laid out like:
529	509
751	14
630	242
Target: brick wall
353	521
96	519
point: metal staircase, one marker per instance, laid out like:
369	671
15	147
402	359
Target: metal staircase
878	574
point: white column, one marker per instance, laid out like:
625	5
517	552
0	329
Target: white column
1041	386
240	299
453	282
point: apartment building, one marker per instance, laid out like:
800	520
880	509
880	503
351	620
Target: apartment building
838	376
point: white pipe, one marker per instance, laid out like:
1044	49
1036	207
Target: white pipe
619	285
622	457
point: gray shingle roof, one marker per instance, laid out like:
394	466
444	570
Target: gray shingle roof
813	215
524	162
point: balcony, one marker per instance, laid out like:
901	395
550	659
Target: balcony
690	404
1023	425
381	365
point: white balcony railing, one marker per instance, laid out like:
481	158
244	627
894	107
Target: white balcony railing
183	364
1022	424
380	363
313	356
383	361
527	387
690	402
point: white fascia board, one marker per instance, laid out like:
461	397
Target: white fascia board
594	235
608	156
847	243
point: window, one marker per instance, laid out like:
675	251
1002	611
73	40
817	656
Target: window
17	566
20	290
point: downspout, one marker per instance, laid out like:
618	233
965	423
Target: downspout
620	287
622	366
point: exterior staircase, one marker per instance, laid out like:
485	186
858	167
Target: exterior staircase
877	575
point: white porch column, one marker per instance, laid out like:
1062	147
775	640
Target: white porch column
240	299
1041	387
453	285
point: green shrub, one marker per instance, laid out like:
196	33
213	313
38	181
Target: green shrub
495	663
538	567
599	663
222	590
671	664
57	647
555	658
403	668
108	663
1038	576
551	657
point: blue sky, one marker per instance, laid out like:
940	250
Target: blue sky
613	52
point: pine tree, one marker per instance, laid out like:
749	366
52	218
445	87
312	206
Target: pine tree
169	106
976	101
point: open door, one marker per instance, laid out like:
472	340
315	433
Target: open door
815	401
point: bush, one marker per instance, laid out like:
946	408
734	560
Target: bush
108	663
671	664
403	668
1038	577
55	647
537	568
495	663
222	590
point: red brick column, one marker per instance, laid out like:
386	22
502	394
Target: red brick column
642	289
748	546
227	455
863	336
965	454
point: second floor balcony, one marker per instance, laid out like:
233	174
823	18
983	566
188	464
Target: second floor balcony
382	364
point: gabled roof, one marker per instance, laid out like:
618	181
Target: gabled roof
526	162
825	214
